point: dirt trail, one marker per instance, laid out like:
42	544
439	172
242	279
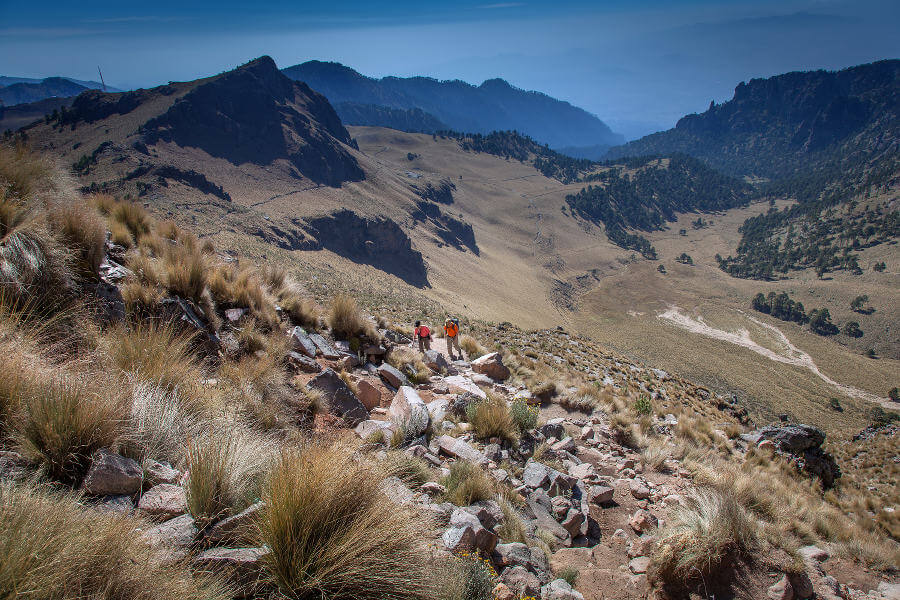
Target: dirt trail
789	354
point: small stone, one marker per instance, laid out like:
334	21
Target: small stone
239	528
600	494
392	376
642	521
639	490
156	473
639	564
502	592
781	590
491	365
521	581
433	488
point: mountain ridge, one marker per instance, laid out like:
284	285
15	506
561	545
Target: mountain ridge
494	105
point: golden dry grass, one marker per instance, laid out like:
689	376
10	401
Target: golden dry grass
491	418
467	483
333	533
52	547
347	320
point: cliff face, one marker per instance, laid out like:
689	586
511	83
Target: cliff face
255	114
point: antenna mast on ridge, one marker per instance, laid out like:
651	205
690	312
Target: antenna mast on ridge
103	83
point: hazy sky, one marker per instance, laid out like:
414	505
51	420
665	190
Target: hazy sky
637	64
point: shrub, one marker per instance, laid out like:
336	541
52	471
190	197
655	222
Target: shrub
334	534
467	483
471	578
54	548
512	529
301	311
410	363
711	529
568	574
64	422
524	416
346	319
491	418
471	347
643	406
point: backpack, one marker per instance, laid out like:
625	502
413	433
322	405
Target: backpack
424	332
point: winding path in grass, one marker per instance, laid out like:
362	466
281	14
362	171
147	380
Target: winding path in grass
791	354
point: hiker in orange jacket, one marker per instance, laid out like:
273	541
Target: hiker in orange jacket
423	334
451	330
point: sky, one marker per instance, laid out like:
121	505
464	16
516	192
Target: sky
637	64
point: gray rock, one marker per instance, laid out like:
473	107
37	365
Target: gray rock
437	409
435	361
639	564
460	449
242	567
163	502
236	529
573	522
156	473
521	581
392	376
639	490
559	589
366	429
544	520
539	475
324	347
112	475
460	403
302	343
552	430
491	364
341	399
303	363
493	452
173	538
793	438
409	411
488	512
121	505
600	494
467	533
396	490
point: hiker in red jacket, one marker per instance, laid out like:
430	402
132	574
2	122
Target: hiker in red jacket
424	336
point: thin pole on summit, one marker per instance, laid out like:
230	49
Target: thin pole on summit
103	83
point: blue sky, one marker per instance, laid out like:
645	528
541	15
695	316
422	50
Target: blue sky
638	64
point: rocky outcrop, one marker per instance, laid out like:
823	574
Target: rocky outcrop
254	114
801	445
378	242
341	399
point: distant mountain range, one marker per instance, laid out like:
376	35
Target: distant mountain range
821	138
23	90
495	105
780	126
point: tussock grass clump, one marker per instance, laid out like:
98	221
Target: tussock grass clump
160	354
707	533
132	218
157	425
334	534
347	320
64	422
22	172
185	273
81	230
225	473
412	470
512	529
471	578
492	418
54	548
467	483
471	347
409	362
301	311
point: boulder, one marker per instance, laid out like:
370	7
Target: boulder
341	399
397	491
409	411
301	342
435	361
460	449
573	522
111	475
366	429
368	394
236	529
163	502
488	513
437	409
324	347
780	590
544	520
552	429
539	475
173	538
642	521
458	405
522	582
804	444
600	494
462	385
156	473
303	363
559	589
491	364
242	567
639	489
392	376
467	533
121	505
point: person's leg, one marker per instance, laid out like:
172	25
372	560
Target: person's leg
450	346
454	341
421	345
428	343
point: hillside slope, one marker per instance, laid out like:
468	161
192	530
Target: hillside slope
24	93
494	105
